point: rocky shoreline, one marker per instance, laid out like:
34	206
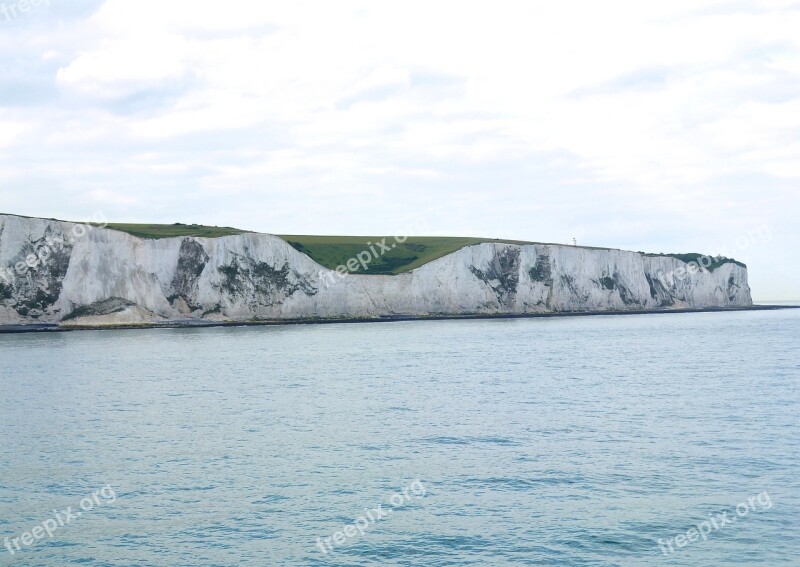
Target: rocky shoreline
200	323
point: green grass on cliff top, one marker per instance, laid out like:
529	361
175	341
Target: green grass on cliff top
172	230
334	251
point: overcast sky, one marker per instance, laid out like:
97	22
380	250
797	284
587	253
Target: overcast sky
658	126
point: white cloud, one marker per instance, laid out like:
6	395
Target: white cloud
598	119
118	67
10	131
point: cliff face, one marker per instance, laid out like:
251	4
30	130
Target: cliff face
108	277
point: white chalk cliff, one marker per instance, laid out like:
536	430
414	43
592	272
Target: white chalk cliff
110	277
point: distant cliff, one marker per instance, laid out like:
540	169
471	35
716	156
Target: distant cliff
53	271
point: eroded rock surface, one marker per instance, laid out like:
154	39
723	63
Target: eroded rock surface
110	276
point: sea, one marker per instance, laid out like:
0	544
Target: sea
655	439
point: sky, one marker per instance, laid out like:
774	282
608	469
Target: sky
662	127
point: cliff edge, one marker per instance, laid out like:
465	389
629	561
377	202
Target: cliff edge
61	272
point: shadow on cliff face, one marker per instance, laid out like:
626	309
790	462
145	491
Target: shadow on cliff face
502	274
541	271
614	283
34	291
192	260
259	284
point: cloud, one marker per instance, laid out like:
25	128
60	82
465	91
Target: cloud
619	123
117	67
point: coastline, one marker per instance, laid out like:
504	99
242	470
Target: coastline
203	323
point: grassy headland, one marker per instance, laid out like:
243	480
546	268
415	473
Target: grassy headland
331	251
710	262
334	251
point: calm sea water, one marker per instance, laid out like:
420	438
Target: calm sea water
568	441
